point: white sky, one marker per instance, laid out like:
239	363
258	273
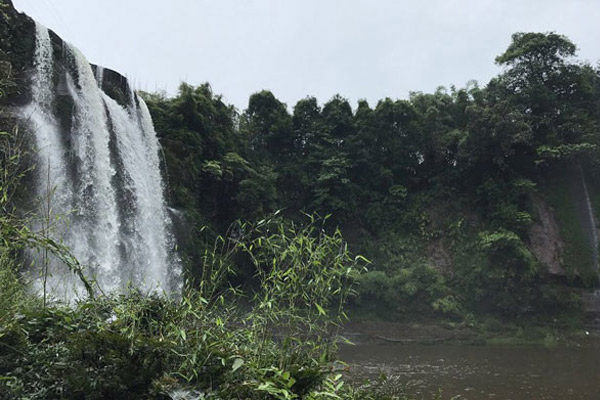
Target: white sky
358	48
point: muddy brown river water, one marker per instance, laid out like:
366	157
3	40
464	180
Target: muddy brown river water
482	372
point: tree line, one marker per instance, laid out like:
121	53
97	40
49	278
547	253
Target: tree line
381	171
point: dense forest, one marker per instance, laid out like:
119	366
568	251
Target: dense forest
441	192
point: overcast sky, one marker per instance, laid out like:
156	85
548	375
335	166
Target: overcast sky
361	49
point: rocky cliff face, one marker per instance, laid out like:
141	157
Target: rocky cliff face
17	47
17	42
544	238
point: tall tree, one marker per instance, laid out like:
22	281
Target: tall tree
268	125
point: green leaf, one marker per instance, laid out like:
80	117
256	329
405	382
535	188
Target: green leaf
237	363
320	309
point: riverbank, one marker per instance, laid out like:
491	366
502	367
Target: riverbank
372	332
491	332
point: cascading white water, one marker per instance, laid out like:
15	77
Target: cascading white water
39	114
145	218
104	180
52	203
96	239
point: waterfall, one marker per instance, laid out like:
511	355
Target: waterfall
144	218
593	231
103	181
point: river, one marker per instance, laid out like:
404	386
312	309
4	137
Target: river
481	372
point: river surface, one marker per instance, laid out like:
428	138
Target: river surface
481	372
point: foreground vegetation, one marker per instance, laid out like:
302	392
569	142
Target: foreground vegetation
215	342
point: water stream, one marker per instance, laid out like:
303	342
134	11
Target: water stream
591	220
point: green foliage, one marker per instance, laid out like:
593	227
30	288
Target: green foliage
405	293
538	52
13	293
276	342
402	282
565	152
507	250
504	280
268	125
506	205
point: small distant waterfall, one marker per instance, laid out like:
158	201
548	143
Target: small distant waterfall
593	231
101	180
